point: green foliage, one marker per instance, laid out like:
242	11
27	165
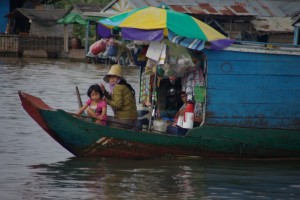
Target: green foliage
79	30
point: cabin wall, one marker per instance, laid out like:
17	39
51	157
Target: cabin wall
245	31
235	30
46	29
284	38
253	90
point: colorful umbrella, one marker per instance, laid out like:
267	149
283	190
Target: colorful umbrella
152	24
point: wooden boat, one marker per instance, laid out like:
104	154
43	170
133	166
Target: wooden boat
252	111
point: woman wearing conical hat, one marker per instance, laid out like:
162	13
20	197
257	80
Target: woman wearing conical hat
121	98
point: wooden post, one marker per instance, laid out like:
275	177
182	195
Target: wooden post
66	38
78	97
87	30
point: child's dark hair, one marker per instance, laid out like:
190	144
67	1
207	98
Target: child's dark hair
95	88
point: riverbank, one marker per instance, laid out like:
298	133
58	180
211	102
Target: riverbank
72	55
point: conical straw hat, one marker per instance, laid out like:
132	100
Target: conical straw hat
115	70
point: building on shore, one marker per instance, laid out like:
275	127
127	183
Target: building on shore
262	21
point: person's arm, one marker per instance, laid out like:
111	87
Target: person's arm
91	112
82	109
104	113
179	113
116	100
106	94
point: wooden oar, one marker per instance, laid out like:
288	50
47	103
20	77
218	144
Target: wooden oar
78	97
94	118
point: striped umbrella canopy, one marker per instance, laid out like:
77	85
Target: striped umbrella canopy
152	24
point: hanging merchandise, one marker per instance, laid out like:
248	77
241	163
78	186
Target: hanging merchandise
142	54
145	89
154	50
191	79
163	55
111	50
98	47
179	59
182	65
199	93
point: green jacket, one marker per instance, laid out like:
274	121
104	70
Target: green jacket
122	102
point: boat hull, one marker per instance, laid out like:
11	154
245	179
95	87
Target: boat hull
87	139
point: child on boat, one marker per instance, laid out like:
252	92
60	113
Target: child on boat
95	106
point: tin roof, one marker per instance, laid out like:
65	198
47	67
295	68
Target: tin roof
273	24
263	10
88	10
88	7
259	8
39	14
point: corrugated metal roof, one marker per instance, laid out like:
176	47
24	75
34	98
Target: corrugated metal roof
87	10
43	14
87	7
139	3
260	8
257	8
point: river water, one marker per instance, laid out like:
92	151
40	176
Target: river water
34	166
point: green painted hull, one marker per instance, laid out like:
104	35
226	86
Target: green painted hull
84	138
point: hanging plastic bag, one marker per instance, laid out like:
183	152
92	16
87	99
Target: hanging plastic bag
98	47
111	50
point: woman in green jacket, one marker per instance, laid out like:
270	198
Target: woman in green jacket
121	98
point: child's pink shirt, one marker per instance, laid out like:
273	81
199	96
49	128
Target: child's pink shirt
98	110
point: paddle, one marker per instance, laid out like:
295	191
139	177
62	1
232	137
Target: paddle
78	97
94	118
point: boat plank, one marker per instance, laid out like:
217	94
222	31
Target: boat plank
257	67
254	82
254	111
258	96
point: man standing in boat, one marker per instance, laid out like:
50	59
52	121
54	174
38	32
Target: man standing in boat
121	98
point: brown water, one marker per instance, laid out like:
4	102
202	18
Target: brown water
34	166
